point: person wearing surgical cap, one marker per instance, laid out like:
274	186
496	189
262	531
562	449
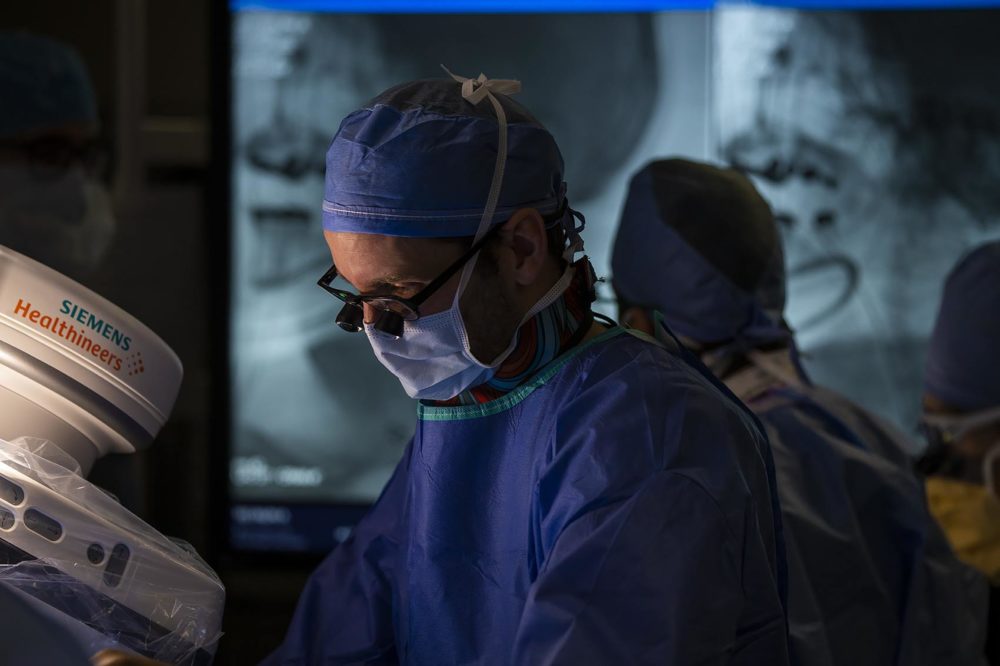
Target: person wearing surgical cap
48	121
961	419
573	493
871	578
53	204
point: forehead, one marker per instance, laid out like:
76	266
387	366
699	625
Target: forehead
367	260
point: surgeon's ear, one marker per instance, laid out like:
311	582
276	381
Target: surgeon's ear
639	319
523	251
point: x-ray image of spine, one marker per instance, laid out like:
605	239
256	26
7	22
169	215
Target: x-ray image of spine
316	418
876	138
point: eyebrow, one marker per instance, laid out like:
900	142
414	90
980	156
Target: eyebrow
390	283
389	279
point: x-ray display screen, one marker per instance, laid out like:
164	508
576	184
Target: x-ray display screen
874	135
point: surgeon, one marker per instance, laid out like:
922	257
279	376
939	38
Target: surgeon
573	493
871	579
961	418
54	206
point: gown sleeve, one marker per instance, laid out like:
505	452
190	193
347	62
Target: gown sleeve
344	615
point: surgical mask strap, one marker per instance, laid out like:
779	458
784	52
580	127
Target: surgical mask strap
554	292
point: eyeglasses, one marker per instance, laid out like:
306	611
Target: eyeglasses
50	157
943	430
392	311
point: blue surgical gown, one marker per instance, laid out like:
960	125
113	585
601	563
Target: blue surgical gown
615	510
872	580
36	634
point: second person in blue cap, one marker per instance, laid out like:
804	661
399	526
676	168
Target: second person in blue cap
872	581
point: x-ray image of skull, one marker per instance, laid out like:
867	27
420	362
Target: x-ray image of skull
296	77
877	162
301	432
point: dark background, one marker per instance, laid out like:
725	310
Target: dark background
163	267
169	258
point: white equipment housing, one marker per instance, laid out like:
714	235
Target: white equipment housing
81	378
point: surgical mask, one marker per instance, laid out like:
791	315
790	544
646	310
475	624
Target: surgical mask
62	219
432	358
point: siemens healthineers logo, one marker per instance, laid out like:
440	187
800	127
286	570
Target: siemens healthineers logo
64	325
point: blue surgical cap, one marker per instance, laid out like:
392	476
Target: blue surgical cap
963	361
699	244
418	161
43	85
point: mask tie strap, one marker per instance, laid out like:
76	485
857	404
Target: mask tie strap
475	91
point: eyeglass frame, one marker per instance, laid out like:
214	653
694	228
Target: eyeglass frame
350	317
50	157
412	304
950	428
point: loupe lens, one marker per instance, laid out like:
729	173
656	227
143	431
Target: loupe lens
351	318
389	323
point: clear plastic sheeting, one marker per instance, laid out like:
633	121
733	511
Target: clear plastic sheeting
98	569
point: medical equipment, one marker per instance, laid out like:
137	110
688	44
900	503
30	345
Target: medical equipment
80	378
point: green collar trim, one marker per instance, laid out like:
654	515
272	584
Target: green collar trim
461	412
